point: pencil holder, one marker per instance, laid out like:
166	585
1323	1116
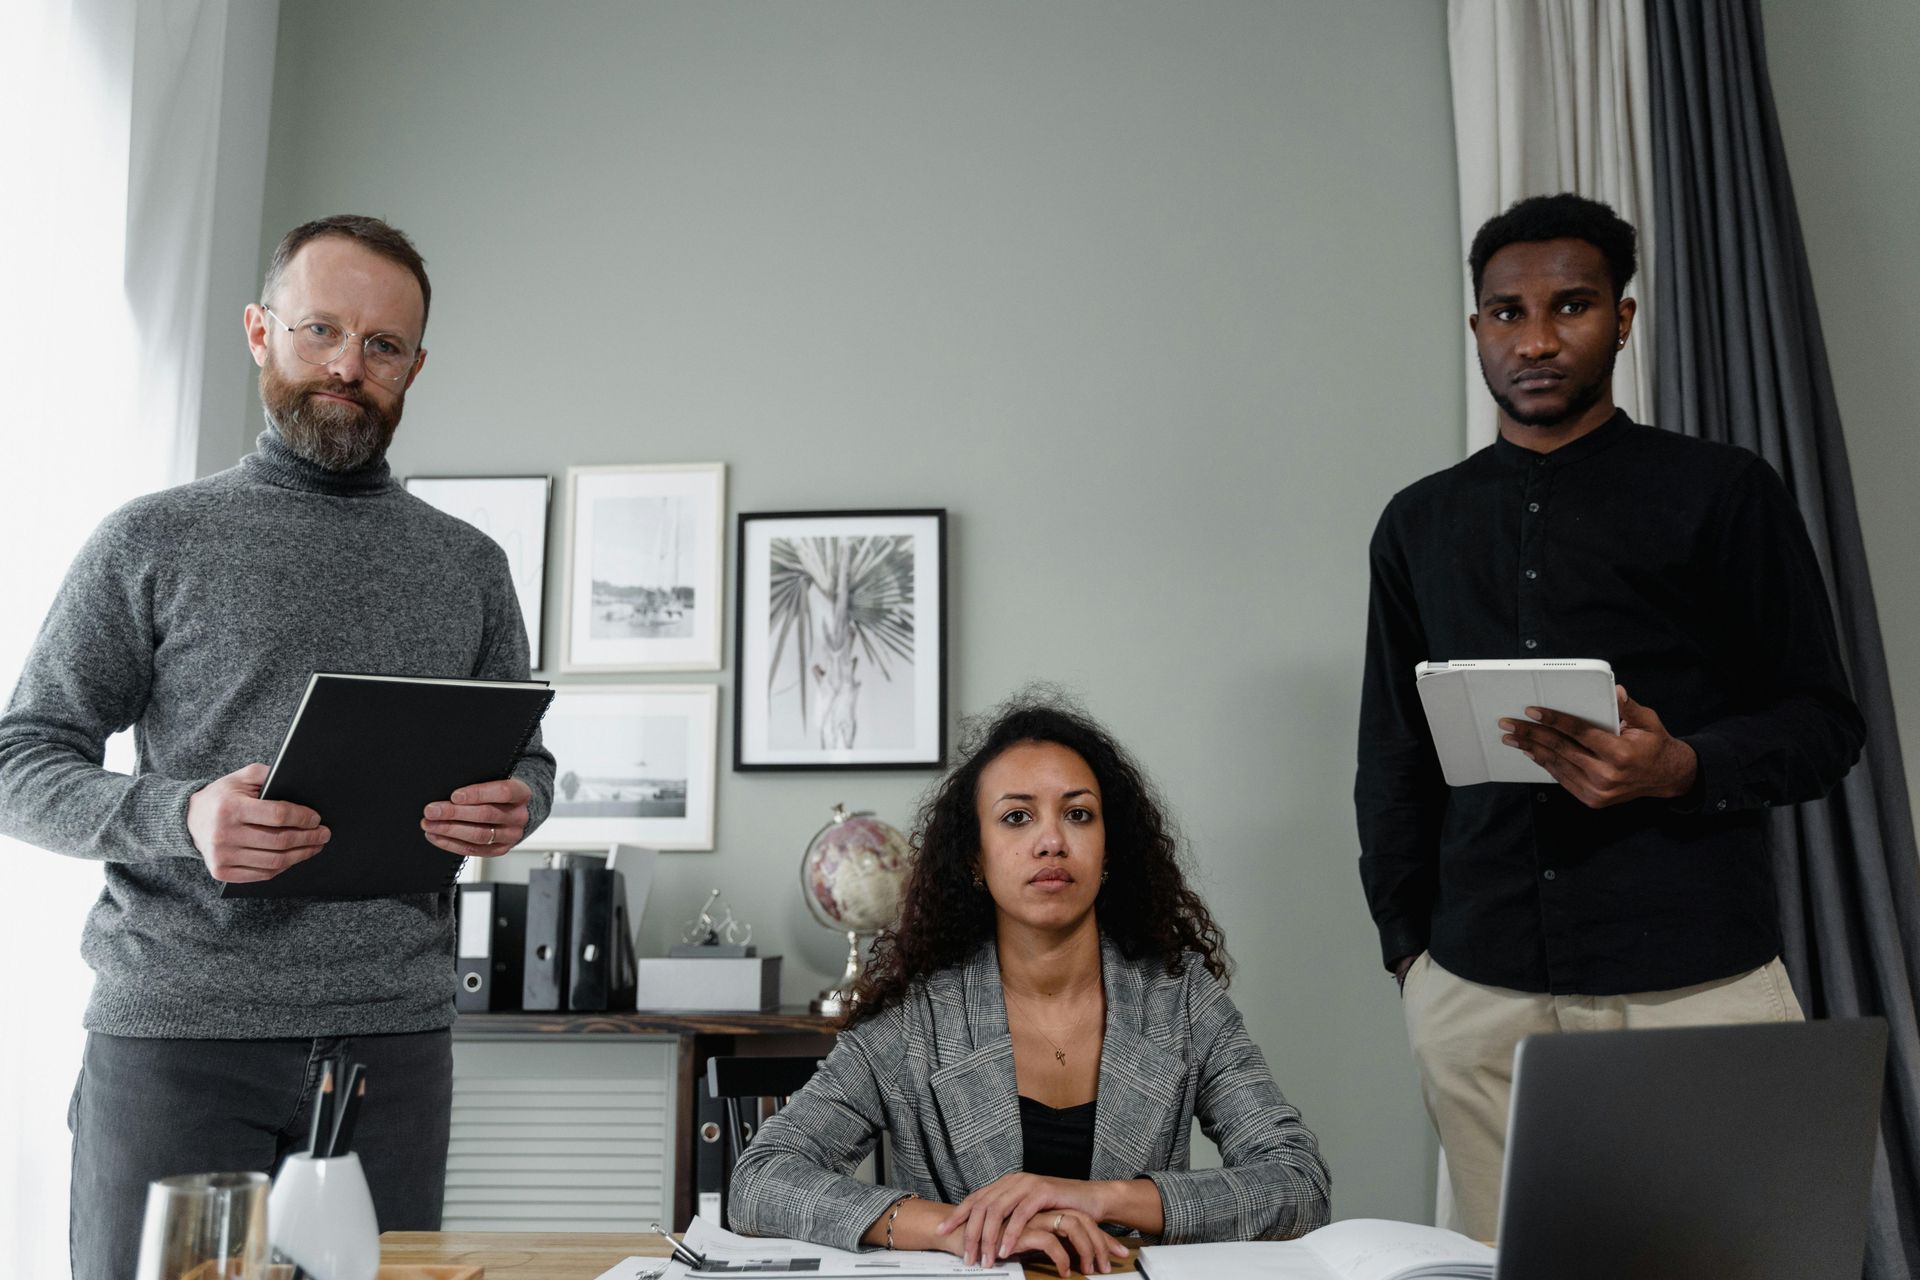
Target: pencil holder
320	1217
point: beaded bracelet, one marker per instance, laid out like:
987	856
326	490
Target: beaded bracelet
896	1213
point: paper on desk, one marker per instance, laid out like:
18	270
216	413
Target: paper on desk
770	1258
634	1269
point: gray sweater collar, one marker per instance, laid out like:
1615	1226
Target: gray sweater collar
274	463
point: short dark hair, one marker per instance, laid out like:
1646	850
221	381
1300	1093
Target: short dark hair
1145	905
380	237
1559	217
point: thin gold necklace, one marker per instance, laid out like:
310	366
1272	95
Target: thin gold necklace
1059	1054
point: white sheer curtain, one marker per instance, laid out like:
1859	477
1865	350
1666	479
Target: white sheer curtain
1552	95
110	117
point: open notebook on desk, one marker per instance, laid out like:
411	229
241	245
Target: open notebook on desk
1356	1249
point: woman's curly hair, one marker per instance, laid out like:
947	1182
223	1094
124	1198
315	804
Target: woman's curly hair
1145	906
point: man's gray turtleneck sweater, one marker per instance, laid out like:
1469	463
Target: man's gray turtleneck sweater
196	615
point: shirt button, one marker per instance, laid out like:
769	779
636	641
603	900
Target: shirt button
1533	506
1532	573
1720	805
1547	874
1541	796
1533	644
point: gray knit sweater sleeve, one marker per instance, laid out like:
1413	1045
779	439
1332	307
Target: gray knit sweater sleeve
88	676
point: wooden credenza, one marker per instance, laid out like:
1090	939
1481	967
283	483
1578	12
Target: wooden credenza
587	1121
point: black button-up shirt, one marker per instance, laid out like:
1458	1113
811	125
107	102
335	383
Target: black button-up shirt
1686	566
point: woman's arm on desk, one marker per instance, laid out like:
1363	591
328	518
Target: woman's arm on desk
1274	1185
793	1178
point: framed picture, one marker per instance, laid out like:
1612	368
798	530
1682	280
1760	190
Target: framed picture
512	510
841	644
634	763
643	568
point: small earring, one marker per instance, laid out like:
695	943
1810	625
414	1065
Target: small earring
978	883
1103	875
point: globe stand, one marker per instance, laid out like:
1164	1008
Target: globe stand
836	1000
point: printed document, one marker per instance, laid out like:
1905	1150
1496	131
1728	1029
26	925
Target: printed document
771	1258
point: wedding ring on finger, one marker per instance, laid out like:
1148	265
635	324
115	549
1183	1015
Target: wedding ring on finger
1056	1222
490	831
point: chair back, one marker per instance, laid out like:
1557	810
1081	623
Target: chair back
750	1090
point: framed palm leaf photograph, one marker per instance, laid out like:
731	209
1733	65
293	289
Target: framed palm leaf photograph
840	649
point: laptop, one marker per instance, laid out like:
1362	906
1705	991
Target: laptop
1737	1153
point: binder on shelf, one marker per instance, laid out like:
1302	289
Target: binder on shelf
369	753
600	971
544	987
623	985
710	1160
590	938
490	960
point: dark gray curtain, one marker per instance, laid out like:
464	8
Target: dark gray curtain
1740	358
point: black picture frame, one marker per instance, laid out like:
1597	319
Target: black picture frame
898	689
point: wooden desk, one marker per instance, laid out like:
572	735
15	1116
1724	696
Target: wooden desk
790	1029
557	1255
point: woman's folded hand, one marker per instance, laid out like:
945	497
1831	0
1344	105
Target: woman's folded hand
1025	1212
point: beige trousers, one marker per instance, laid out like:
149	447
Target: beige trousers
1464	1034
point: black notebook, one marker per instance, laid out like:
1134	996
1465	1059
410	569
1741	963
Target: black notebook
369	754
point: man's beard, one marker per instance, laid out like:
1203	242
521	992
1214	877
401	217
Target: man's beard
1584	398
327	433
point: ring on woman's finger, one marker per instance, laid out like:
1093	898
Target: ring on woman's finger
1056	1221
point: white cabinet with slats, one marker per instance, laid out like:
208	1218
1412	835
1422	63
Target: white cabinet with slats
572	1136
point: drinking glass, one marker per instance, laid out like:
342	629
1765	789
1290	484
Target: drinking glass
205	1226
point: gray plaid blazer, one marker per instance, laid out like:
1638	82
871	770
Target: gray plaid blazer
936	1074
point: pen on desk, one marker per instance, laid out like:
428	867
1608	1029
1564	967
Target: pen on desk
322	1112
681	1252
347	1113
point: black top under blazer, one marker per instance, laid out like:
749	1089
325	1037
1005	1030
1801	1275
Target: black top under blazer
936	1073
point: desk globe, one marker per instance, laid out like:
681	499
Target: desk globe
851	876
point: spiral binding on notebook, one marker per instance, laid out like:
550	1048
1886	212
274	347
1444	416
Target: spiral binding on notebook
453	877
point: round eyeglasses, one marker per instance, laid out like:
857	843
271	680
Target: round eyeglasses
386	356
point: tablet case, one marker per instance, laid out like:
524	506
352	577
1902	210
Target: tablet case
1466	700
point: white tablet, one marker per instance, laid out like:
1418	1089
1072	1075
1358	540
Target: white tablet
1466	700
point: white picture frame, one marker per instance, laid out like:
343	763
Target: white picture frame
513	511
644	568
621	751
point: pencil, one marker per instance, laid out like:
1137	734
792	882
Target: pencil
348	1112
322	1111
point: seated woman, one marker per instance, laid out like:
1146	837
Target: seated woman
1037	1035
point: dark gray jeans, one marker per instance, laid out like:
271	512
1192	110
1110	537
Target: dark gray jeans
146	1109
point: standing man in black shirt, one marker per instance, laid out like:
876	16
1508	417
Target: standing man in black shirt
1635	890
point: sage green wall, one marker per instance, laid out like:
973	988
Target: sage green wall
1158	300
1849	113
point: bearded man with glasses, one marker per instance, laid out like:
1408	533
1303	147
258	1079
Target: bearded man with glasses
195	615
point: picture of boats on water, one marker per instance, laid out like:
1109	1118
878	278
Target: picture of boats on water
643	568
